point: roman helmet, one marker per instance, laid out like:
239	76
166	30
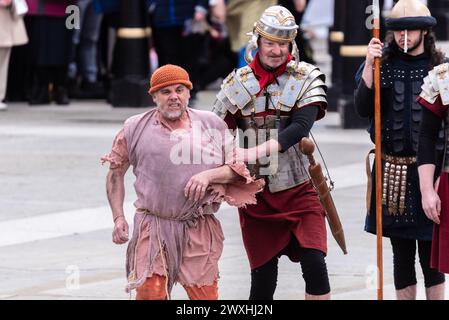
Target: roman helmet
410	15
276	24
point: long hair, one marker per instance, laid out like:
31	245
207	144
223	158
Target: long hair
392	49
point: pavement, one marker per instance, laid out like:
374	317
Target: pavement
55	222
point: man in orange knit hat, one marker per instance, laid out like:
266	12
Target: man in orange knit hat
176	237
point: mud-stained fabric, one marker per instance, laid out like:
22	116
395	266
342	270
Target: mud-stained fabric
186	231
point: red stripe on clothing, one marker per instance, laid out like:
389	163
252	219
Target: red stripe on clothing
437	107
440	242
267	226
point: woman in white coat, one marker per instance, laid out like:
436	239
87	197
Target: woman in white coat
12	33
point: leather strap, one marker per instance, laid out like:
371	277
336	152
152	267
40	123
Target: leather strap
369	184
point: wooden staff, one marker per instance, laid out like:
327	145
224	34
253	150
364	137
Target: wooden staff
318	180
378	153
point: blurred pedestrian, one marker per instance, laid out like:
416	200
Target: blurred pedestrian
219	60
49	50
179	31
12	33
84	58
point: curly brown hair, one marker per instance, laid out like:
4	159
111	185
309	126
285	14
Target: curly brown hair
436	56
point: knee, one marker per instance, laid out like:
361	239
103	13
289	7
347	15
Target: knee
203	292
404	275
154	288
404	270
314	272
404	252
432	277
404	261
263	281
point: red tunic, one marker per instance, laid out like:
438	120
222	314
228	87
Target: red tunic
440	239
268	226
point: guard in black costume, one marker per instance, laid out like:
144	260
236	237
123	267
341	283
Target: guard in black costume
406	57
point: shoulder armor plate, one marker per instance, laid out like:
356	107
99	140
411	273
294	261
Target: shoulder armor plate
436	83
239	86
306	84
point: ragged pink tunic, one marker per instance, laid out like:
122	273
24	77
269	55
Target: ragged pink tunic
163	162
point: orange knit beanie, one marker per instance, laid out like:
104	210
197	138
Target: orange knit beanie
168	75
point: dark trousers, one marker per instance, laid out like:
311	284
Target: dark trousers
42	77
404	252
314	272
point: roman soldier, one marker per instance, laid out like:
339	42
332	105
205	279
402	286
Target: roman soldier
274	101
406	56
435	192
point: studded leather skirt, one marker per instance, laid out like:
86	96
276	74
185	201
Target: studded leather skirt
394	182
402	213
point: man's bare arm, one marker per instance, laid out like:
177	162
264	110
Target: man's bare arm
115	188
223	174
196	187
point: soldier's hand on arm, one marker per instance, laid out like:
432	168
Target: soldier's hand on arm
247	155
302	121
263	150
374	51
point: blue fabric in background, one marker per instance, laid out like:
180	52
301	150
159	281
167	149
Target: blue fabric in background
173	13
241	58
241	62
106	6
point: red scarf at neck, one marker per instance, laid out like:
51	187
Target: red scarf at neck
266	77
